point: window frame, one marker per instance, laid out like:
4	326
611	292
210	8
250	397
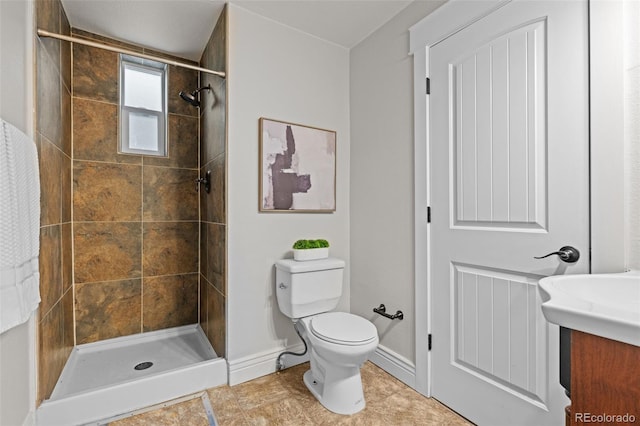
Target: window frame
125	111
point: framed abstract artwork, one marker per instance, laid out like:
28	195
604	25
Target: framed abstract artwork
297	168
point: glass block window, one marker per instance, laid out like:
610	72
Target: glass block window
143	106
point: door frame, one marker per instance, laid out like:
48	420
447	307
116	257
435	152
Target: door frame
606	124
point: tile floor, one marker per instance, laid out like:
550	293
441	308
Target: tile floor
282	399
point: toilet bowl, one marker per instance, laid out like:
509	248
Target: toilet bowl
339	342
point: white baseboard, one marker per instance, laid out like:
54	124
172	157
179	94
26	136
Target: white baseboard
395	364
263	363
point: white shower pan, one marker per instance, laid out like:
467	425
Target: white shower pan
100	379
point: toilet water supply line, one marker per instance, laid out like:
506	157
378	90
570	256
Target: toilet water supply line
280	364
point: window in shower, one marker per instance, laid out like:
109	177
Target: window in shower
143	106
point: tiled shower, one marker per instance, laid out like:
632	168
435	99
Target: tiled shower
127	244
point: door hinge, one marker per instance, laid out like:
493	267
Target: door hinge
428	86
429	342
429	214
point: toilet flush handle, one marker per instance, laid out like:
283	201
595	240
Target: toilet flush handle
282	286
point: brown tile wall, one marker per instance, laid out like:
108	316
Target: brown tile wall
136	231
53	138
135	218
213	226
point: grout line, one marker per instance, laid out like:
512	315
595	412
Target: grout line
138	164
72	213
139	278
117	222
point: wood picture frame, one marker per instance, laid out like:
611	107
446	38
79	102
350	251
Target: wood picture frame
297	168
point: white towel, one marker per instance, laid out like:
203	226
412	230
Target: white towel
19	227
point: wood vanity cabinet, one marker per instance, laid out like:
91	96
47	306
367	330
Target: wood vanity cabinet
605	381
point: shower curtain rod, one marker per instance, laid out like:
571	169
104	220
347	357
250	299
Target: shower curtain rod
43	33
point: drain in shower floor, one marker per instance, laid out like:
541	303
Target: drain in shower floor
143	365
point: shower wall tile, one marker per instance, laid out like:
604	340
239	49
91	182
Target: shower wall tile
170	248
67	256
169	301
204	244
214	56
206	305
169	194
105	40
107	251
65	189
95	132
108	309
213	203
51	353
48	19
50	268
213	118
217	201
107	192
65	119
164	55
216	320
183	144
50	163
216	256
95	74
126	205
49	101
206	203
181	79
204	290
68	340
65	51
48	15
53	138
213	316
219	324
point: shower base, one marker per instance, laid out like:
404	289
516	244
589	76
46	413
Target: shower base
111	377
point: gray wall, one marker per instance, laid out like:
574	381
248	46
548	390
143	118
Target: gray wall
381	90
279	73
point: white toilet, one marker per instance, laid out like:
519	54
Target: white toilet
339	342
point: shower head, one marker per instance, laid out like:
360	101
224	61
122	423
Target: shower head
192	97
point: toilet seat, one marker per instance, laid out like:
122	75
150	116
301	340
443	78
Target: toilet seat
343	329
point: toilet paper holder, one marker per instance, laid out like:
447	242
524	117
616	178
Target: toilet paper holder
382	310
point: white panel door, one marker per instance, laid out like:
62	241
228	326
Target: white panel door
508	181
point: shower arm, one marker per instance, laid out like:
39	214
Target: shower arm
207	87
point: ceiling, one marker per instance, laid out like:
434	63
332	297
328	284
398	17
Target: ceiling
182	27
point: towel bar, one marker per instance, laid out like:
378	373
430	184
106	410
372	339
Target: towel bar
382	310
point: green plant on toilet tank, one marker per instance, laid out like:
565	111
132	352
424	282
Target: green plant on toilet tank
310	249
310	244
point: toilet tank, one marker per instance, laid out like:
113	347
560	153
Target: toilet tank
310	287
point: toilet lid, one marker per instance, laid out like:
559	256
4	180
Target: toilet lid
343	328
